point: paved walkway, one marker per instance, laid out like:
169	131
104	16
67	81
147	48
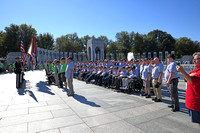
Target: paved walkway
38	107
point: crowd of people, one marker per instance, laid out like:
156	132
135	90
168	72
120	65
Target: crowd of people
61	72
129	76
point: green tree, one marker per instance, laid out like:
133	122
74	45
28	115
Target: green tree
106	43
60	44
185	46
45	41
112	48
125	41
83	42
2	44
12	38
158	40
139	46
28	32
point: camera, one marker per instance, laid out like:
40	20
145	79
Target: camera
157	85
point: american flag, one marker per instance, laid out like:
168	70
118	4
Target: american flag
22	50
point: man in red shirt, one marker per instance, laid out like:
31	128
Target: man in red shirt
192	98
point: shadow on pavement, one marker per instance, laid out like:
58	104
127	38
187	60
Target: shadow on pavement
181	95
23	90
43	88
83	100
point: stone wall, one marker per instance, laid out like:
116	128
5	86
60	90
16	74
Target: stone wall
12	55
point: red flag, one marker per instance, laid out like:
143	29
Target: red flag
31	51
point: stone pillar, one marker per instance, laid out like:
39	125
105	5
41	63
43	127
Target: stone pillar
66	54
117	56
166	54
154	54
51	57
40	55
61	54
44	55
84	57
108	56
70	54
53	54
173	52
138	55
112	56
79	56
122	56
160	55
75	57
144	55
57	55
149	54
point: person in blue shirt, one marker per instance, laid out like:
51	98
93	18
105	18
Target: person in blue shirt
157	71
171	76
69	75
146	76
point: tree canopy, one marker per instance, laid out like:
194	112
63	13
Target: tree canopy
154	41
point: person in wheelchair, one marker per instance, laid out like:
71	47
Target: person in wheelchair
82	72
88	73
102	75
122	73
92	75
113	77
106	80
132	78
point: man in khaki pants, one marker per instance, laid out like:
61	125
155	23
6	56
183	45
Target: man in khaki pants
157	71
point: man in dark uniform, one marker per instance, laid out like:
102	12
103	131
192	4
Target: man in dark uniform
17	71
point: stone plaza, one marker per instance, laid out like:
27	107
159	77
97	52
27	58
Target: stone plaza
41	108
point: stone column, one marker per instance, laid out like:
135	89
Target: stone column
149	54
57	55
166	54
112	56
122	56
84	57
117	56
154	54
144	55
70	54
79	56
107	56
53	54
160	55
75	57
66	54
138	55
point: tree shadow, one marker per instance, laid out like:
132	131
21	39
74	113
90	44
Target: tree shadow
83	100
42	87
23	90
181	95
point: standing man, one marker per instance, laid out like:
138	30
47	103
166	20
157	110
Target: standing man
157	71
62	73
17	71
69	75
171	77
146	76
55	69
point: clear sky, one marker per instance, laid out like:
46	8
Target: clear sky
180	18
